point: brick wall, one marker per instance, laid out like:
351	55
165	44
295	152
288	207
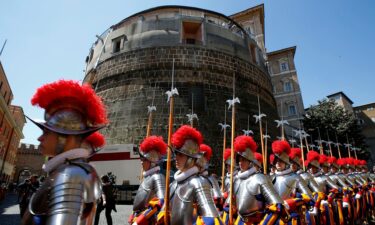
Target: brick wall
127	83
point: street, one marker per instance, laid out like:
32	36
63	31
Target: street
9	212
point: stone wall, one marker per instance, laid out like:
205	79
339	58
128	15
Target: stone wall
128	81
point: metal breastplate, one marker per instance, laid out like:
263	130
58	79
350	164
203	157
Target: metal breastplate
325	183
67	195
310	181
371	176
351	179
227	183
334	178
337	180
194	190
254	193
151	186
356	179
321	181
286	185
216	192
346	179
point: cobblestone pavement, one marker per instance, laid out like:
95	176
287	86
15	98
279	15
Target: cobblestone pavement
10	213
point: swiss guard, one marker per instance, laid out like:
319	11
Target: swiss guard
150	194
69	194
326	186
289	185
256	200
203	164
259	161
189	190
227	175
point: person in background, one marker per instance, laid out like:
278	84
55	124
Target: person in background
106	202
25	191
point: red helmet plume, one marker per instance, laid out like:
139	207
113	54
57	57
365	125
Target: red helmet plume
272	159
58	94
350	161
153	143
323	159
184	133
341	162
207	150
279	146
258	157
227	153
96	140
243	142
313	155
331	160
295	152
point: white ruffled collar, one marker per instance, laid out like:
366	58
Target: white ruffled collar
180	176
244	175
317	174
235	172
61	158
205	173
300	172
151	171
287	171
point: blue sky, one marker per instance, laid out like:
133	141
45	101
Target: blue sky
49	40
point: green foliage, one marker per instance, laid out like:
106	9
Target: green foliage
332	120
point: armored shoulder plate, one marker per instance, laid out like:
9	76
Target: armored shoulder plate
216	192
286	185
346	179
325	183
337	180
66	194
194	190
310	181
151	186
254	193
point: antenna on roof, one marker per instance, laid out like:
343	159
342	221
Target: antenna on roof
5	42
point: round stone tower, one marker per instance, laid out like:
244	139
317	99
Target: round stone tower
130	66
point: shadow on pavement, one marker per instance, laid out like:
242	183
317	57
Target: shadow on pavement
9	210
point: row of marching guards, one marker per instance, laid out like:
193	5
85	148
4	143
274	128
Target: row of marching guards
309	188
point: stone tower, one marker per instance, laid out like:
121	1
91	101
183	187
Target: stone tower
130	66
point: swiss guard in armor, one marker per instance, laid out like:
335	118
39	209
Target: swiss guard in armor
259	161
290	186
203	164
227	175
150	194
325	184
272	166
69	193
189	190
256	199
296	165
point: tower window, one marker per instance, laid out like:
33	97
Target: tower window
292	110
287	86
116	44
284	66
192	33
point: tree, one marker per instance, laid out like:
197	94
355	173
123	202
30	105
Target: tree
329	120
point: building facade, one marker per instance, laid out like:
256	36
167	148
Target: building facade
29	162
286	88
12	121
366	120
342	100
131	66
